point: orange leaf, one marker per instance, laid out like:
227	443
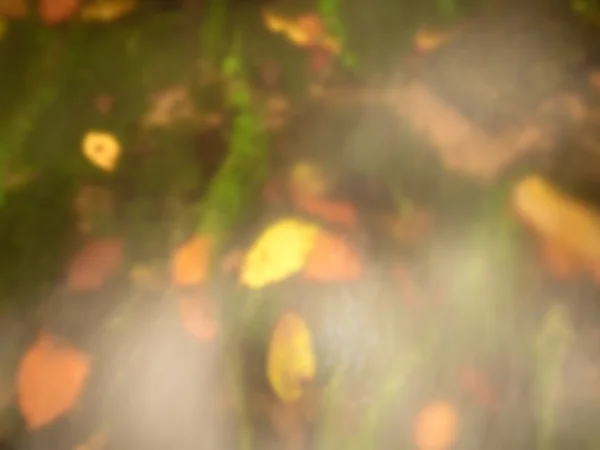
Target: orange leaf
332	259
312	26
197	319
476	383
436	426
342	213
50	379
94	264
56	11
191	263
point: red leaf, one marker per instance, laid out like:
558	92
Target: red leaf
94	264
333	260
56	11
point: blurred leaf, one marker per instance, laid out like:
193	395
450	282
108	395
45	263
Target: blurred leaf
191	262
50	378
97	261
280	251
290	360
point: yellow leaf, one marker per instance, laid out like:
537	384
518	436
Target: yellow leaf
279	252
559	219
101	149
107	10
275	23
304	31
290	361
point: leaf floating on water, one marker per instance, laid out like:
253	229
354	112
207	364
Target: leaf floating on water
436	426
279	252
332	259
102	149
50	378
191	263
107	10
94	264
290	361
53	12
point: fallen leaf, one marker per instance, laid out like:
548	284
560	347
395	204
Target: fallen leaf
101	149
95	263
279	252
197	317
568	228
290	360
342	213
332	259
50	378
304	31
13	9
53	12
477	383
436	426
312	27
191	262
